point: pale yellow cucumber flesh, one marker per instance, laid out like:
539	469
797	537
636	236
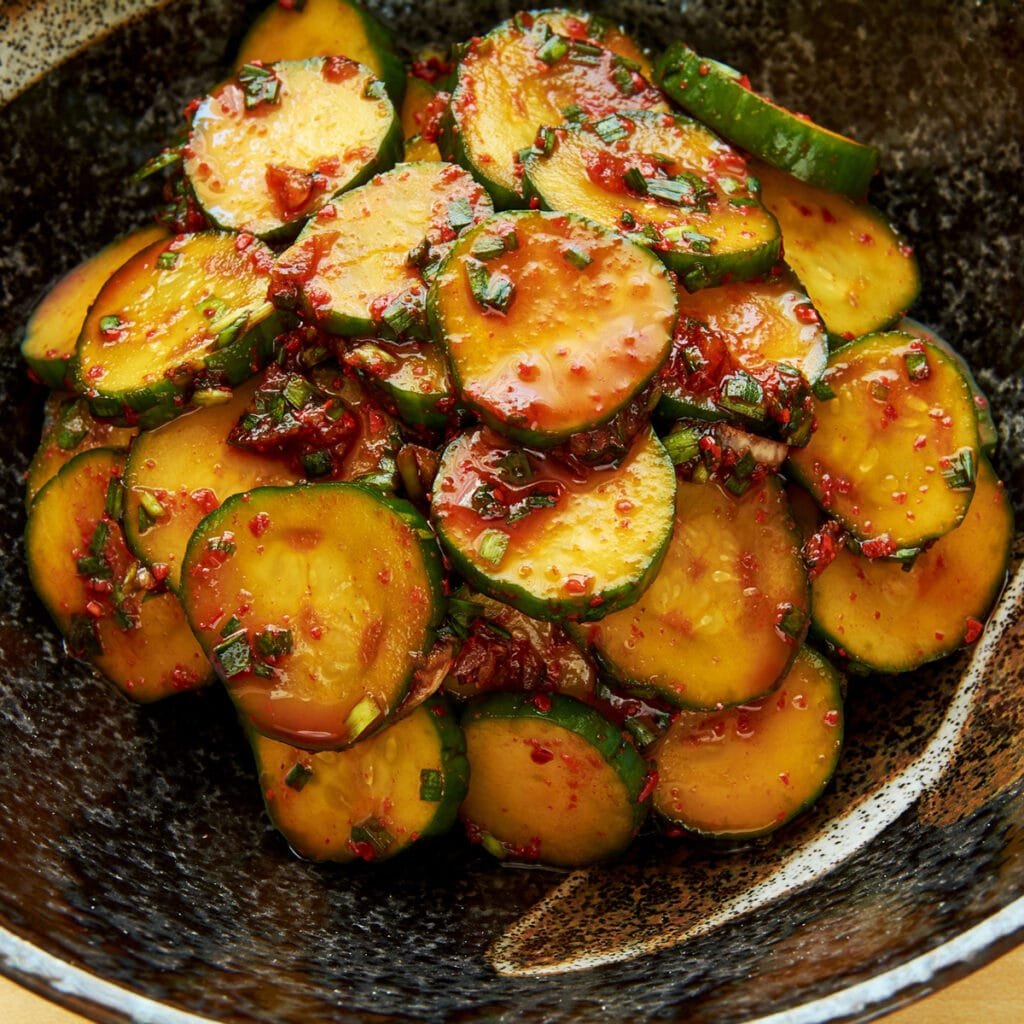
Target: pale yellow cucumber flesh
589	322
52	332
321	805
763	324
708	631
155	658
168	309
345	575
269	167
891	617
859	273
746	771
885	455
592	551
183	470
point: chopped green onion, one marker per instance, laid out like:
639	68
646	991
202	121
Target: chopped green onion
298	775
493	846
233	625
521	509
372	831
234	655
297	391
460	214
822	390
229	334
206	397
374	90
461	613
696	241
110	323
552	50
573	112
71	433
743	202
879	391
635	180
742	394
146	521
318	463
165	158
491	545
577	257
627	219
736	485
151	503
418	254
274	641
168	260
84	637
490	290
793	621
624	79
683	445
223	543
611	128
514	467
115	498
917	365
544	144
364	715
962	470
746	465
431	785
259	85
210	307
489	247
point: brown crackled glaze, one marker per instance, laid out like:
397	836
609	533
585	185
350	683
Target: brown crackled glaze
140	879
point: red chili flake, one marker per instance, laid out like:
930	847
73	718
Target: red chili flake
827	216
624	505
806	313
703	71
338	69
784	778
315	632
95	609
205	499
878	547
384	576
973	630
243	241
542	702
577	584
865	239
534	203
649	783
95	372
744	81
831	718
183	678
160	571
940	636
539	754
259	523
920	441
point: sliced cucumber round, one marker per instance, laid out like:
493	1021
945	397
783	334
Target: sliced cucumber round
551	780
894	456
725	615
325	28
889	617
52	331
358	267
373	800
722	98
270	146
177	317
111	613
665	181
551	542
316	604
746	771
551	322
528	72
860	275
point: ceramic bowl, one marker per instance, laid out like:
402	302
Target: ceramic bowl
140	879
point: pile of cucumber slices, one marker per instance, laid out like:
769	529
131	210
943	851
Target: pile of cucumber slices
524	432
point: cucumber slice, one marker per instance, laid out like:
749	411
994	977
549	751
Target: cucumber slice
551	780
374	800
413	376
69	429
503	649
988	433
315	604
895	451
666	182
747	771
723	620
272	145
52	330
551	322
754	330
359	265
111	613
551	542
859	273
722	98
177	317
528	72
890	617
325	28
185	469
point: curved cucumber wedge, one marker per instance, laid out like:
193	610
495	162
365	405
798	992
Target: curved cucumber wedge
889	617
725	615
551	322
109	611
722	98
524	74
52	331
178	317
359	266
692	203
314	602
551	542
272	145
551	780
325	28
373	800
745	772
858	272
894	456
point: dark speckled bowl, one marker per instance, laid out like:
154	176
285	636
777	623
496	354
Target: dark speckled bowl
140	879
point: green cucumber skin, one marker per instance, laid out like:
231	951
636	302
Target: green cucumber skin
573	715
151	405
453	148
793	145
521	435
454	764
827	670
56	374
988	434
674	405
381	40
415	408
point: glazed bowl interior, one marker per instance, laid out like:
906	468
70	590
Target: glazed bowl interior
141	879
